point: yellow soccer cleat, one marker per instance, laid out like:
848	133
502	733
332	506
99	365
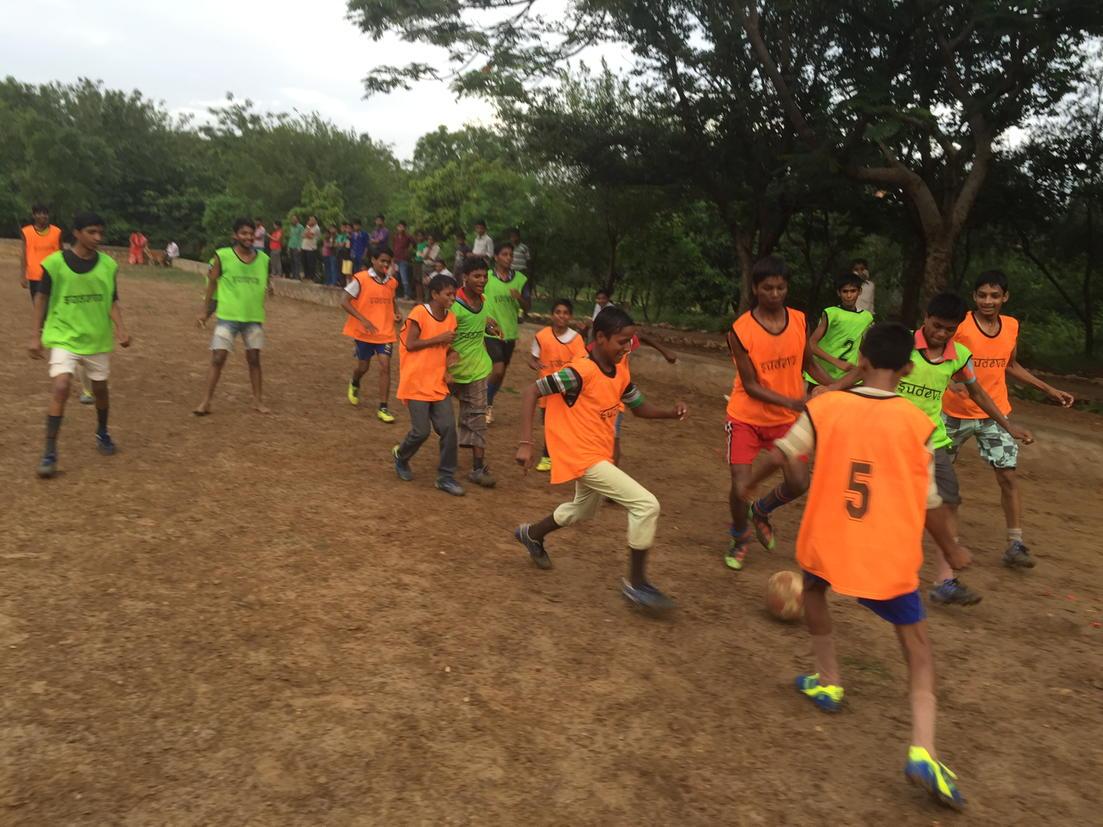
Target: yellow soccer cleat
383	415
544	464
354	394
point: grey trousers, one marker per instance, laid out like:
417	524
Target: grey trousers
296	263
439	415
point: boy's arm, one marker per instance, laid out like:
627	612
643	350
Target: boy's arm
22	259
213	275
525	455
120	325
640	407
666	354
750	378
823	379
534	355
1020	374
983	401
346	305
819	352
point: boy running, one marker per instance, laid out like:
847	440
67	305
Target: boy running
936	362
553	348
424	357
77	316
862	531
507	293
371	302
583	401
239	274
836	338
38	240
473	366
769	345
992	339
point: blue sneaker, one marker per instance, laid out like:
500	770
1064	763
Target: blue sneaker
953	592
104	444
47	467
827	697
647	597
937	779
450	486
536	550
405	473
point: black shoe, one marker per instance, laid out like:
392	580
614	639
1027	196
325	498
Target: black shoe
536	550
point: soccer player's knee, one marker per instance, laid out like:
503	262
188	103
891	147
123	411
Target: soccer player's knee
252	357
1006	478
649	508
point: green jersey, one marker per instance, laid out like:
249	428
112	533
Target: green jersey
78	315
241	287
927	383
843	337
295	236
503	307
470	342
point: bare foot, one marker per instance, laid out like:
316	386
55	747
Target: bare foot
260	407
203	410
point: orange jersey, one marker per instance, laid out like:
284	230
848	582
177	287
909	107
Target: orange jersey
581	435
555	355
778	360
375	303
991	355
38	246
421	372
862	529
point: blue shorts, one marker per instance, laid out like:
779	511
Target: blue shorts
902	610
366	350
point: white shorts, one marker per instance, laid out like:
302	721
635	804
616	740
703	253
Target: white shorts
97	366
252	334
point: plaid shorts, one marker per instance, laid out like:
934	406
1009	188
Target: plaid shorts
997	447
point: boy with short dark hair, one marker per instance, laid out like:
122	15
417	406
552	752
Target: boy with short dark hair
937	361
239	273
508	293
77	316
862	530
425	355
371	302
769	345
553	348
992	338
583	401
836	339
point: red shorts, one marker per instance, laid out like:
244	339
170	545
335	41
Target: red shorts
745	441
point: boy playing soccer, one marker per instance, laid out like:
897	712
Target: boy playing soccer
862	530
507	293
936	362
424	350
583	401
553	348
77	316
473	323
769	345
835	340
992	339
240	276
371	302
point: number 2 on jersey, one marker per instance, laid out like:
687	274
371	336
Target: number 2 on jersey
857	489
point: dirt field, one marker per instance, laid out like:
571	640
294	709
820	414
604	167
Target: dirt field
249	620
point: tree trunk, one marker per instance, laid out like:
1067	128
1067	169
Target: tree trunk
742	243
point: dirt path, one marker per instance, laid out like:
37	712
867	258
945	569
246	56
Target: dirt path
248	620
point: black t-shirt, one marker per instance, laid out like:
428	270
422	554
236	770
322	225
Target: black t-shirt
78	265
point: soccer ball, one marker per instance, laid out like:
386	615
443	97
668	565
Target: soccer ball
785	595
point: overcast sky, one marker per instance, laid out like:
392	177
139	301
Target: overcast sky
281	54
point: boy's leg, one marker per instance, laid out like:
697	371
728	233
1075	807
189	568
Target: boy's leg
444	423
252	358
817	617
418	433
999	449
384	381
472	428
948	589
218	359
501	352
363	363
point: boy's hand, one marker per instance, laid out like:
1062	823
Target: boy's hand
372	329
398	317
1021	434
516	295
680	411
201	322
524	456
959	557
816	391
796	405
1062	398
492	328
35	348
124	339
446	338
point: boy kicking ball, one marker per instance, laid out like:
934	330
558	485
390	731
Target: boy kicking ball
583	400
862	531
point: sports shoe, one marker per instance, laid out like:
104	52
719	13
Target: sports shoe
354	394
536	550
47	467
762	528
86	398
450	486
953	592
647	597
1018	556
489	414
827	696
544	464
737	551
936	778
383	415
401	467
483	477
104	444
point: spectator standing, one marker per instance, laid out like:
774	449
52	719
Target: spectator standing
172	251
463	250
522	255
380	236
138	244
275	249
484	244
401	244
358	246
329	254
260	237
420	267
860	268
312	235
344	254
295	245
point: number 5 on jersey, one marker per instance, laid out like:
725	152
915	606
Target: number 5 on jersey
857	489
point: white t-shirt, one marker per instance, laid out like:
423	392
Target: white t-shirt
865	296
598	308
312	243
172	250
258	237
484	246
353	287
566	339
